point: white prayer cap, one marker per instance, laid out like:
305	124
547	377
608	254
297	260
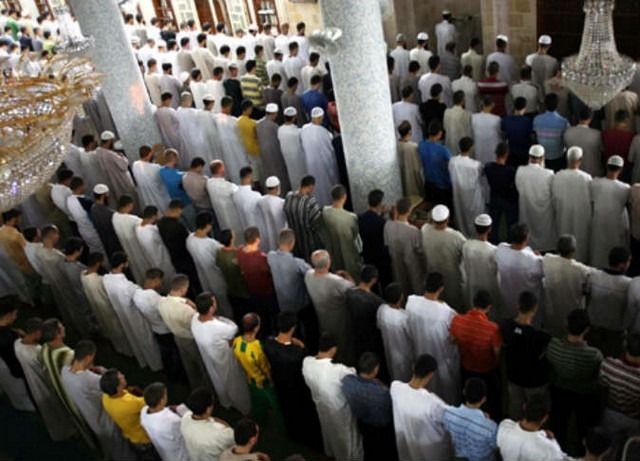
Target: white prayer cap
253	26
134	40
278	51
483	220
616	160
536	151
440	213
185	94
446	12
107	136
271	182
233	65
503	37
317	112
544	40
290	111
271	108
101	189
118	145
574	153
400	38
184	76
422	36
161	44
209	98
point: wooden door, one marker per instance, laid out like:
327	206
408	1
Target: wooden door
203	10
221	11
164	9
564	21
266	12
43	6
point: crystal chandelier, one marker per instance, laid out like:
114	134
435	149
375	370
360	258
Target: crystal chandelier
597	73
36	119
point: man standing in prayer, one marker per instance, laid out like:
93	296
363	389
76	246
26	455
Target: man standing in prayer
78	207
245	199
125	224
213	334
429	322
572	202
193	141
342	229
168	122
589	140
102	217
291	147
420	54
534	183
293	65
610	225
457	122
271	210
442	247
304	215
115	167
409	111
433	77
411	171
473	59
233	148
543	65
371	228
549	128
435	160
320	156
468	187
418	414
505	61
486	131
169	84
503	193
468	86
393	323
147	175
400	56
518	131
496	88
221	194
527	90
340	433
273	163
153	248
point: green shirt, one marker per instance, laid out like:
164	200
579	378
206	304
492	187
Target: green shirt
227	261
574	366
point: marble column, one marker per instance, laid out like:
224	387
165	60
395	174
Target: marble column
122	85
359	70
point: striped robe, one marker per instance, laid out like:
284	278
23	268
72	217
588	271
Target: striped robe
304	216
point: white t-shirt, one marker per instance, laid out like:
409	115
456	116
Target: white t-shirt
516	444
205	439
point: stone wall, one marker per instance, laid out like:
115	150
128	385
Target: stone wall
309	13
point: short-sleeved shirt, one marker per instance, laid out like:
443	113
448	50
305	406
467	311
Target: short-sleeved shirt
253	360
502	181
498	90
518	129
435	163
227	261
573	366
248	133
125	412
256	272
473	434
172	179
525	354
369	400
477	336
622	381
549	128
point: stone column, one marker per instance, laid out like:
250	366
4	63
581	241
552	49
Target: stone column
359	71
123	87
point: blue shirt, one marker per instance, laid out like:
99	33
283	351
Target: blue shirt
518	129
473	435
172	179
435	163
549	128
313	98
369	400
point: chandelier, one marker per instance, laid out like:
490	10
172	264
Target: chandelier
597	73
36	118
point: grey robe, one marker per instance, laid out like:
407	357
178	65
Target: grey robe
344	243
590	140
293	100
116	169
407	258
272	160
71	272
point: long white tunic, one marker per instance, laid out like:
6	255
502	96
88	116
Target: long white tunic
467	179
445	32
610	225
138	331
340	433
271	208
246	202
486	134
516	444
396	335
213	338
291	147
418	420
457	125
216	89
470	89
203	251
321	160
220	193
443	250
207	124
572	202
480	272
149	184
518	271
169	125
198	91
565	284
410	112
507	71
59	195
293	68
86	228
125	226
401	62
155	251
193	139
163	428
429	322
534	185
422	56
233	150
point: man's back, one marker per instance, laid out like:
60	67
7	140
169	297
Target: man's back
435	158
205	439
524	349
363	308
516	444
590	141
163	429
125	412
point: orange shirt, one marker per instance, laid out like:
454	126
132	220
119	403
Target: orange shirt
477	337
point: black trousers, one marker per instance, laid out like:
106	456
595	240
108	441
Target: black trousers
170	357
497	208
379	443
564	403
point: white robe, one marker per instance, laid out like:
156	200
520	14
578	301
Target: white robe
534	185
291	147
198	91
220	193
125	227
163	428
321	160
340	433
271	208
470	89
480	272
401	61
155	251
422	56
445	32
169	125
138	331
418	420
193	138
293	68
610	225
467	179
16	389
429	322
246	202
226	373
58	422
203	251
396	336
572	203
150	187
410	112
216	89
457	125
507	71
91	170
207	124
86	228
233	150
486	134
277	67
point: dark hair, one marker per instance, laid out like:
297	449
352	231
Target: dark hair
618	255
520	103
225	237
64	175
434	62
338	192
597	442
375	197
414	66
424	365
251	234
435	90
154	393
118	259
493	68
87	140
502	149
203	219
435	127
250	322
83	349
224	49
11	214
315	80
204	301
50	329
199	400
406	91
166	96
566	245
286	321
518	233
72	245
585	113
179	281
326	342
124	200
393	293
525	72
527	302
368	362
149	211
465	144
404	128
433	282
250	65
154	274
475	389
536	408
32	325
482	299
109	382
293	81
246	104
184	41
244	430
487	101
403	205
30	233
578	322
458	97
551	102
76	183
621	115
368	273
176	204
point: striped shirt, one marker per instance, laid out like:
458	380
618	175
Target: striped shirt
477	337
472	433
549	128
622	381
573	366
304	216
253	360
252	89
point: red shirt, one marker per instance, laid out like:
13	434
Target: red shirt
477	337
616	142
256	272
498	90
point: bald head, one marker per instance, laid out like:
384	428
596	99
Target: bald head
321	260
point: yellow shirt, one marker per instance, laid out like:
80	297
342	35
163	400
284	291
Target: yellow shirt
253	360
125	412
249	135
